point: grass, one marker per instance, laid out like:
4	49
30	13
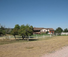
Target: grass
19	38
7	41
64	35
33	48
29	47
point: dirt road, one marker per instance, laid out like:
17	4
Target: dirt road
60	53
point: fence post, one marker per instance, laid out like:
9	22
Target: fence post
50	35
43	36
56	34
29	37
36	37
9	37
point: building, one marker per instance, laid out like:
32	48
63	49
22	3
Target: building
43	30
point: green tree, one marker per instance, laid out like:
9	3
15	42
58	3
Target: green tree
47	32
15	30
17	26
2	30
31	27
22	26
66	30
25	31
59	30
29	30
8	30
22	32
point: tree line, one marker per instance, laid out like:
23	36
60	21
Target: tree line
2	30
59	30
24	30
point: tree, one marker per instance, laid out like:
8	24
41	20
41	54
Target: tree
17	26
59	30
8	30
22	32
29	30
22	26
47	32
2	30
66	30
25	31
31	27
15	30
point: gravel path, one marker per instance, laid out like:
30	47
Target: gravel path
60	53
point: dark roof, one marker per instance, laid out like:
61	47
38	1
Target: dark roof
49	28
37	28
42	28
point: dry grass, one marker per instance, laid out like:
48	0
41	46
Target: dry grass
33	48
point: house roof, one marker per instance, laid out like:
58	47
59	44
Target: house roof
43	28
49	28
38	28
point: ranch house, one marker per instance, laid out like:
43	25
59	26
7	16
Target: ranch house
43	30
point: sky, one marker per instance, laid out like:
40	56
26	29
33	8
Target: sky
38	13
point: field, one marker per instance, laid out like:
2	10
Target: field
35	48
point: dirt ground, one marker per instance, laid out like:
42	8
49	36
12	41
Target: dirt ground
60	53
33	48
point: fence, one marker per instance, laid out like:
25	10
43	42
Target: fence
29	37
6	37
64	33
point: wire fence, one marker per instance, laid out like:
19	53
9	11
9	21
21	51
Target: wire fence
10	37
29	37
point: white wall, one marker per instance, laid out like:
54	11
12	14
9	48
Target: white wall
44	30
